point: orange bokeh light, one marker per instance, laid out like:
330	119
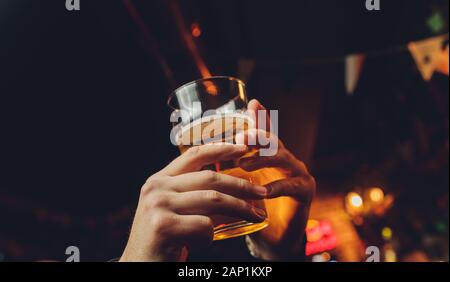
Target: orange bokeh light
376	195
196	30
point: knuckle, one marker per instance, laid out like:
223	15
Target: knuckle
284	155
156	201
243	184
159	201
150	185
302	166
162	222
193	151
144	190
213	196
210	176
207	223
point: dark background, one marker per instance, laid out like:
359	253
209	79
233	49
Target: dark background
83	119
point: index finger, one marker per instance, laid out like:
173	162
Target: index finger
227	184
195	158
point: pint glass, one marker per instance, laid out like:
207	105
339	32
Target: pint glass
214	110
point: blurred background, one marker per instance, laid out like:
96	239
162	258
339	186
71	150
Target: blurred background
361	99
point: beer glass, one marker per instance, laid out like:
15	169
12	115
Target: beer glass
214	110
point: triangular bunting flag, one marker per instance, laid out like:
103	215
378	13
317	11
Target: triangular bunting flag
444	63
353	67
428	55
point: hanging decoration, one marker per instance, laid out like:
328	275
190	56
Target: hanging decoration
429	55
443	66
353	68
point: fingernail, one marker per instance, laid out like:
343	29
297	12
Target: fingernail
261	190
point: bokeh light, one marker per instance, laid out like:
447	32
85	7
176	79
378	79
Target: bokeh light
376	195
196	30
386	232
355	200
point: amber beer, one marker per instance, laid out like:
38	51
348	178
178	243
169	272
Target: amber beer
213	109
223	128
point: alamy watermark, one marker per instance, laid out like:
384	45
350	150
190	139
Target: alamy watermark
373	254
211	127
73	5
73	253
373	5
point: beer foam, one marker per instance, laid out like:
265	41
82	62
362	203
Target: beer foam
214	128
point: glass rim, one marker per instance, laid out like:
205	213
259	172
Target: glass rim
172	95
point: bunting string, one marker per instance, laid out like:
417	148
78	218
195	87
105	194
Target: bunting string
342	58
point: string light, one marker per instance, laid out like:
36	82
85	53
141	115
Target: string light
196	30
386	232
324	257
321	237
354	200
390	256
313	231
436	22
354	205
376	195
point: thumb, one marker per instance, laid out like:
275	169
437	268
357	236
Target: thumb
297	187
253	107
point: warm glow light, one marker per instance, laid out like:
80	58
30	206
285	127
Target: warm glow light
443	66
354	205
312	223
386	232
211	88
355	200
326	256
326	244
390	256
188	39
376	195
321	237
195	30
316	230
